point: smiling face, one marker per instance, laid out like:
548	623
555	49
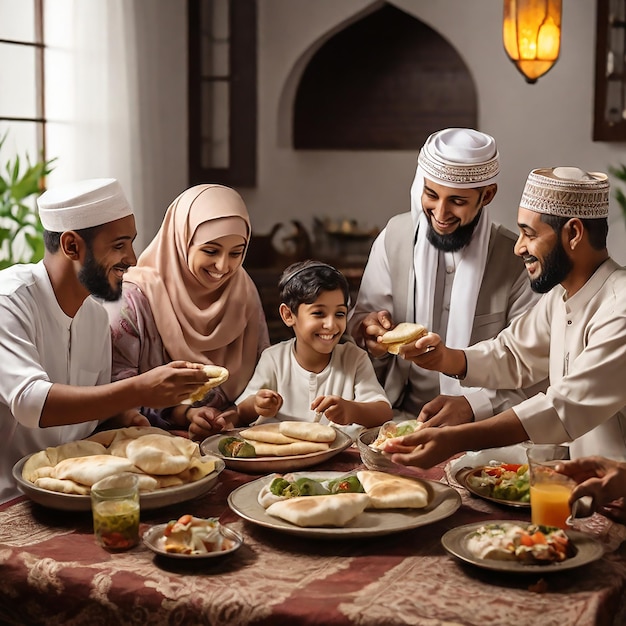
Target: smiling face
318	326
453	213
107	256
542	251
214	262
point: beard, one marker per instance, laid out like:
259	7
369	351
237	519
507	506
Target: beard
93	277
454	241
554	269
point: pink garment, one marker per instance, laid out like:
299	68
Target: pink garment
170	315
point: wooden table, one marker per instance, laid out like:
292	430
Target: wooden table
52	572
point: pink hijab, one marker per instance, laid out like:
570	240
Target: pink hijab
223	329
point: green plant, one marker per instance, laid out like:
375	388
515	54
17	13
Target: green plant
620	174
21	232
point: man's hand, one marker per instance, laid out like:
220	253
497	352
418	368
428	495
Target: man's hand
168	385
602	479
373	326
432	354
446	411
424	448
267	403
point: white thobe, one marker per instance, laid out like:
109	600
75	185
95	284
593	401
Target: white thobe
40	345
581	343
349	374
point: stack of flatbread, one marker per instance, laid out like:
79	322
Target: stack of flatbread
382	491
289	438
159	459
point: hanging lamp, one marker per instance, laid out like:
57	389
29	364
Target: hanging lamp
531	33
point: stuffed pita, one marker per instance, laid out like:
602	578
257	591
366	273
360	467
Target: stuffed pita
216	375
315	511
308	431
389	491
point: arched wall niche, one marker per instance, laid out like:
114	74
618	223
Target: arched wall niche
382	81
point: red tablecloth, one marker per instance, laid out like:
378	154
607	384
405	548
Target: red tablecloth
52	572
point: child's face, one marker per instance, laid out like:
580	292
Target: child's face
321	324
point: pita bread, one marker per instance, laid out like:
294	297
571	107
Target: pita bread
308	431
216	375
88	470
402	334
156	454
287	449
308	511
389	491
62	485
107	437
268	433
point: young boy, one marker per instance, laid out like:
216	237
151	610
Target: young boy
319	379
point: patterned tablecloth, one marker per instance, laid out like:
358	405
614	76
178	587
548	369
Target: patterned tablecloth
52	572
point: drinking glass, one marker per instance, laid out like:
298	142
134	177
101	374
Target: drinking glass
549	490
115	509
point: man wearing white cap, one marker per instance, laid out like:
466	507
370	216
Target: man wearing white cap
444	265
576	334
55	346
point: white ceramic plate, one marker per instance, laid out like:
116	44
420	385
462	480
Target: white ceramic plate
149	500
265	464
371	523
454	541
153	536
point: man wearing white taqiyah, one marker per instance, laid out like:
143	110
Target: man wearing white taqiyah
446	266
55	346
576	334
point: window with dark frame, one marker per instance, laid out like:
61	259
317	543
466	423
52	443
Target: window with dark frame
222	92
22	104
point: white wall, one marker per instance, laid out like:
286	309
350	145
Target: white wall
546	124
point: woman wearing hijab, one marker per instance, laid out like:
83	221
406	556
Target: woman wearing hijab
190	298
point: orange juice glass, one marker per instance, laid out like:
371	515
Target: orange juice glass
549	490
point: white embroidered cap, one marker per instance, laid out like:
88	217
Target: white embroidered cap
460	157
82	204
567	192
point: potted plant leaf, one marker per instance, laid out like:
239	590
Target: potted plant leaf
21	232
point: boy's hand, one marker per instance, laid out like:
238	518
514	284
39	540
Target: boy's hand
333	407
267	402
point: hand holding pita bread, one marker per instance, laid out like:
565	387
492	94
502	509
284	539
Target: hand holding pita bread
373	326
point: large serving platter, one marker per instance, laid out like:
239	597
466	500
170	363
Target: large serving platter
148	500
265	464
455	541
371	523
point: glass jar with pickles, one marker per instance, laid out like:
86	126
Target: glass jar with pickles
115	509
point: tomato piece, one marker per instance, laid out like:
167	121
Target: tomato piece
526	540
493	471
511	467
539	537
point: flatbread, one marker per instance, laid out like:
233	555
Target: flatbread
108	437
287	449
156	454
88	470
389	491
268	433
402	334
216	375
314	511
62	485
308	431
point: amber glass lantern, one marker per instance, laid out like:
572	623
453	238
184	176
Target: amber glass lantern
531	32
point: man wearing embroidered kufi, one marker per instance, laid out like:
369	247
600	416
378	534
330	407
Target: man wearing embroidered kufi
444	265
576	334
55	346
